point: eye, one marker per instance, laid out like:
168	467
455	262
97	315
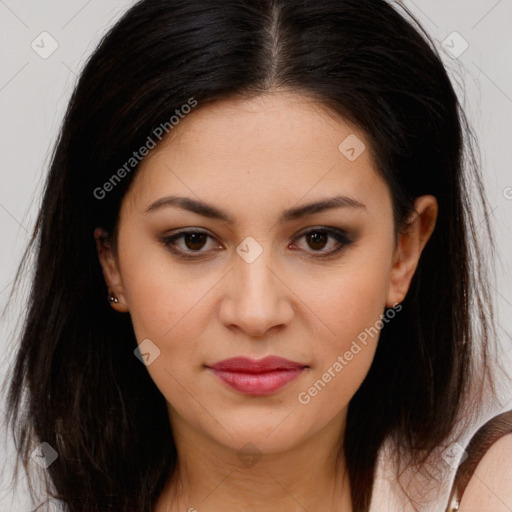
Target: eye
318	239
193	241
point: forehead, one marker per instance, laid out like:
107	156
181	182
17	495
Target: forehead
277	147
279	124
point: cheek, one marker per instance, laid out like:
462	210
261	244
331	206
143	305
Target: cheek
350	302
162	295
351	309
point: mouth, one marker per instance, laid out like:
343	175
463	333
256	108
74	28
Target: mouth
257	377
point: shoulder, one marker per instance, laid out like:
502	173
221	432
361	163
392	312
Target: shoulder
490	487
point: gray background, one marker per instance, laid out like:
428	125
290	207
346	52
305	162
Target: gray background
34	92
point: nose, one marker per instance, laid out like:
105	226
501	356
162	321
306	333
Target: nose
257	300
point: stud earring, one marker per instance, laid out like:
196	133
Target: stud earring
113	299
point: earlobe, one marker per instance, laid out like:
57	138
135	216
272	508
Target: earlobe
111	274
412	240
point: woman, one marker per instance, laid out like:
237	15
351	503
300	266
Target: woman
255	268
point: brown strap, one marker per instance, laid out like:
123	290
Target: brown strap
483	439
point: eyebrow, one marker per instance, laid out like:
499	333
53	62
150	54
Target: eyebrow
297	212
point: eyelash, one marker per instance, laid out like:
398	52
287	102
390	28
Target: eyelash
339	235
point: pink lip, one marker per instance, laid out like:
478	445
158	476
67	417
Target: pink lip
260	377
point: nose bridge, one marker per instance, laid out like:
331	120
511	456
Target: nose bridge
255	279
257	297
252	271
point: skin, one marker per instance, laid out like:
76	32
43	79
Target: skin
491	486
254	159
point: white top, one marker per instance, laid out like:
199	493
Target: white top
389	497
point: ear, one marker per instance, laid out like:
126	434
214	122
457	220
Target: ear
111	272
410	245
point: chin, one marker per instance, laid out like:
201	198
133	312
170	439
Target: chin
268	437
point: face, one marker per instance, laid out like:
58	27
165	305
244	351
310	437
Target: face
244	266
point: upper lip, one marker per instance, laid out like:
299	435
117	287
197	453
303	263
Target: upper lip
246	365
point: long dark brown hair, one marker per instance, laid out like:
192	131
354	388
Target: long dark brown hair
76	383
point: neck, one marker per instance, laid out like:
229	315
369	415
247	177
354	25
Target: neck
212	477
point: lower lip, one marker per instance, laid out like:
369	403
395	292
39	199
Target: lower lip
258	383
